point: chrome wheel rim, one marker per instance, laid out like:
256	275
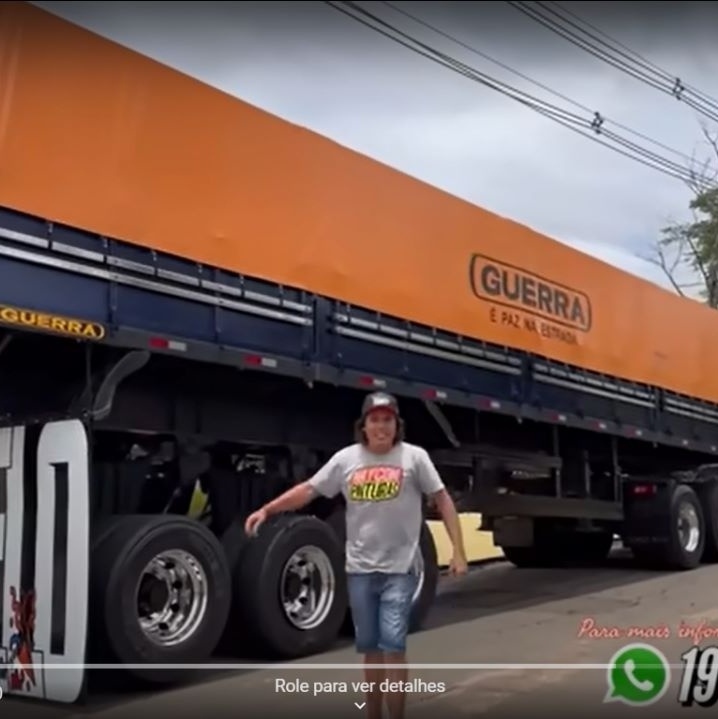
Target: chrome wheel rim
689	527
307	587
171	597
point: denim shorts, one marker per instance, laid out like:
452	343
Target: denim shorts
381	609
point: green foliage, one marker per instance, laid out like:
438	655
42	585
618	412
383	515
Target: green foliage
695	244
690	250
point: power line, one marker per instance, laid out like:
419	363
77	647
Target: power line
568	119
662	84
689	89
643	70
553	92
565	118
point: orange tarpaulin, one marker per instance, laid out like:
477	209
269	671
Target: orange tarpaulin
102	138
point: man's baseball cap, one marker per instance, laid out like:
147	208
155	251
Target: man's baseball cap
379	400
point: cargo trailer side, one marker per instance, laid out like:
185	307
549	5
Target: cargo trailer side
131	376
153	157
189	294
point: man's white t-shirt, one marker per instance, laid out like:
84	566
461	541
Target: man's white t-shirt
383	495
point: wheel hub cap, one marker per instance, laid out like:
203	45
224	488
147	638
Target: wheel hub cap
688	527
172	597
307	587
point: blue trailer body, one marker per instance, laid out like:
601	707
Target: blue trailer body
66	282
145	299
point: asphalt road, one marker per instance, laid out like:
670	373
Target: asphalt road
497	614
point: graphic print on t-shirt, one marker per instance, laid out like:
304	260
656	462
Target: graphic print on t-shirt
375	484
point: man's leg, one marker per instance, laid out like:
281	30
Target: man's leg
374	676
364	603
394	616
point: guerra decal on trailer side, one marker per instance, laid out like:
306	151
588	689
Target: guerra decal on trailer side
527	302
44	545
26	319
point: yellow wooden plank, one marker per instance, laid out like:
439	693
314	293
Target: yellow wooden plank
479	545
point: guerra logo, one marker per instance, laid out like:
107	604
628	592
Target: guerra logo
521	290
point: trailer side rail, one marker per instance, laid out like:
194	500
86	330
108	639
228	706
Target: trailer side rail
148	300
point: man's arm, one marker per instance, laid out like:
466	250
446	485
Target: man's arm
295	498
447	509
326	482
433	487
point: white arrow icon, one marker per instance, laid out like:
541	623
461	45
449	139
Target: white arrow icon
359	706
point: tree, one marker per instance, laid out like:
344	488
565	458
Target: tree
688	252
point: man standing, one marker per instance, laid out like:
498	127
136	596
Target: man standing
383	479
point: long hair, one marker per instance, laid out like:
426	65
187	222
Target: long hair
360	435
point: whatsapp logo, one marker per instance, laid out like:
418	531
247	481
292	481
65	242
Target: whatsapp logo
638	675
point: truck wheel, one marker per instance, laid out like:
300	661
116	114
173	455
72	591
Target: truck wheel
685	538
427	566
290	587
428	570
235	541
161	593
687	535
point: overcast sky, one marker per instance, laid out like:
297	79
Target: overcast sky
314	66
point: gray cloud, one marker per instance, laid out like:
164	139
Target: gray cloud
309	64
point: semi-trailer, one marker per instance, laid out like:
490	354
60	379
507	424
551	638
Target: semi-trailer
194	292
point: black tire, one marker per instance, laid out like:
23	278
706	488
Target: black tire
676	555
672	553
258	588
235	543
426	592
123	547
337	523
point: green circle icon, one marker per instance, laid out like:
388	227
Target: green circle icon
638	674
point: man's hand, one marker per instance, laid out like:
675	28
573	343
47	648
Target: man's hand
255	521
458	566
445	504
294	498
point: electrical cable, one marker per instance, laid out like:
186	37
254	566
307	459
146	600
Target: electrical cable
512	70
672	87
688	89
565	118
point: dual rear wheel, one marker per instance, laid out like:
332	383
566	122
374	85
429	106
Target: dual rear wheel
675	529
166	591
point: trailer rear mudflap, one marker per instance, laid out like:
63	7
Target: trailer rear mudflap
44	530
